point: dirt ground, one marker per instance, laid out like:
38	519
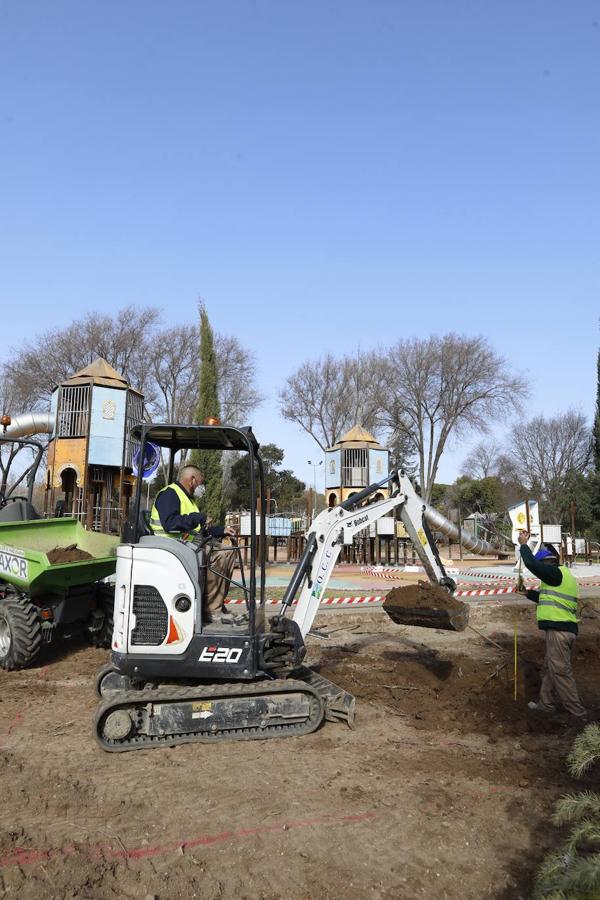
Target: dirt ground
442	790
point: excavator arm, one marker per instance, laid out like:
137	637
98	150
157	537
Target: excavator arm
334	528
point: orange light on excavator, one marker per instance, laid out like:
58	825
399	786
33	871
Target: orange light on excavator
212	420
174	635
5	421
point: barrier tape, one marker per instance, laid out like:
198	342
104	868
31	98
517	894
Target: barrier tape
395	577
363	601
326	601
391	573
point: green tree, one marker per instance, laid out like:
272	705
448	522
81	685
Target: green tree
209	461
281	484
289	490
595	478
477	495
573	871
596	429
440	495
579	489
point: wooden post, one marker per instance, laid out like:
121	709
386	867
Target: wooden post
528	515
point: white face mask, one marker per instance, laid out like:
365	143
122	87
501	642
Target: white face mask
199	491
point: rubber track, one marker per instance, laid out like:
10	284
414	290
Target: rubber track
135	699
25	629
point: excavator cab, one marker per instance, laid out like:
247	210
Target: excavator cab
161	580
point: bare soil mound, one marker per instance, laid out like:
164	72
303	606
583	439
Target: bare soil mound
72	553
426	605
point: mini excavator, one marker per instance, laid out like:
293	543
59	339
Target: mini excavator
175	678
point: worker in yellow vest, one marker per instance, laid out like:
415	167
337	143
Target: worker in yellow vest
557	616
175	514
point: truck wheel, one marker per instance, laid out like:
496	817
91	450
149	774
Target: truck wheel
106	604
20	632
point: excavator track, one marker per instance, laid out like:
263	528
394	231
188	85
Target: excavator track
172	715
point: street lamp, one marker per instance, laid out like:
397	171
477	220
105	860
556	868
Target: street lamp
315	467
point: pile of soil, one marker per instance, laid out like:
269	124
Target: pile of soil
72	553
426	605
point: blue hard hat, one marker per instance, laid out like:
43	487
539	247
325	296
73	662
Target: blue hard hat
546	551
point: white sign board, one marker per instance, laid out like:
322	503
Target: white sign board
386	526
552	534
518	518
277	526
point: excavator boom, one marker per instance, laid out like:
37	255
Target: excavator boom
334	528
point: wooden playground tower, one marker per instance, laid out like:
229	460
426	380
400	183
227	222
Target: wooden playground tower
90	453
351	464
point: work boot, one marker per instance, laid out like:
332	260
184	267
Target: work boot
537	707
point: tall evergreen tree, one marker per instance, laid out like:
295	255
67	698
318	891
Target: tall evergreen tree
595	477
596	431
209	461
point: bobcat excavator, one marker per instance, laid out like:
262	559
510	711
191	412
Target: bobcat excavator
175	678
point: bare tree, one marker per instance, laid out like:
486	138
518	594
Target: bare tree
483	460
174	370
163	365
546	452
123	341
236	373
329	396
442	388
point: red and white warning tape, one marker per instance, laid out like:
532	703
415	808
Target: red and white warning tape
394	575
391	572
487	592
363	601
326	601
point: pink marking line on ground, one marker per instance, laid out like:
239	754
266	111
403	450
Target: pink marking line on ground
22	856
18	718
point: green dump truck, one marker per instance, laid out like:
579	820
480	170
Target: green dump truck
51	585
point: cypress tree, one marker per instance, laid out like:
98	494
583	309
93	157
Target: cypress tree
209	461
596	430
595	478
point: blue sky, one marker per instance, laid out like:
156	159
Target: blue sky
326	175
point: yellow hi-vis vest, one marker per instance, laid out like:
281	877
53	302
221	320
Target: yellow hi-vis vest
559	604
186	506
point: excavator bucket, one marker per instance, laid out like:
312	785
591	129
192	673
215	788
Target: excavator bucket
426	605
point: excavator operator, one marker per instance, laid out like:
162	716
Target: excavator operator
175	514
